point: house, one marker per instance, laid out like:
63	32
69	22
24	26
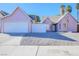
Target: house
64	22
3	13
20	22
60	23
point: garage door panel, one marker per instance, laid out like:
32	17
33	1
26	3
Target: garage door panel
38	28
15	27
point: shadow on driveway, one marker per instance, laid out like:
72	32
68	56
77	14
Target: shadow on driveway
32	41
52	35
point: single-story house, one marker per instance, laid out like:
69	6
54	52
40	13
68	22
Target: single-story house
20	22
60	23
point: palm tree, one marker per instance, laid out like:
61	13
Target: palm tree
62	6
62	9
69	9
77	7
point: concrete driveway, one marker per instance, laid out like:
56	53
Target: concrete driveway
50	35
40	39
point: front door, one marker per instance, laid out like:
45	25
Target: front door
77	28
53	28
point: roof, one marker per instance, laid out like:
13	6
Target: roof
18	8
56	19
32	16
3	13
1	16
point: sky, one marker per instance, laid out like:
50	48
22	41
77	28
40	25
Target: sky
40	9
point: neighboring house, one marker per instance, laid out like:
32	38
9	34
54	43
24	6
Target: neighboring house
18	22
63	23
2	15
51	22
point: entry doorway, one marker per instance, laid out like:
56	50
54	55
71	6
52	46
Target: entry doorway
53	28
77	28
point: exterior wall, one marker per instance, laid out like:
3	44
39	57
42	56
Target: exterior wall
39	28
48	24
16	17
71	24
77	27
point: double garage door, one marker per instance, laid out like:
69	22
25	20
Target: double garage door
16	27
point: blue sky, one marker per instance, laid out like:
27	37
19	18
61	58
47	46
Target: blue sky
40	9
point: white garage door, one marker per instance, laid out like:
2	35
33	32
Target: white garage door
39	28
17	27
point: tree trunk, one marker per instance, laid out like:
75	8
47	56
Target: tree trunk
78	15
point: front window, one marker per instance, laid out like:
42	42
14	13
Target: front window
64	25
67	20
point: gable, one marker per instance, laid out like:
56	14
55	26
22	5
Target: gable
67	16
18	15
67	23
47	21
53	19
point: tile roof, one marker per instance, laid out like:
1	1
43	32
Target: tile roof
56	19
3	13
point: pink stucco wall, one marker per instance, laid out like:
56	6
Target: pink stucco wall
48	23
70	21
18	16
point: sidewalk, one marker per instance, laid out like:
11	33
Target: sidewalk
39	50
